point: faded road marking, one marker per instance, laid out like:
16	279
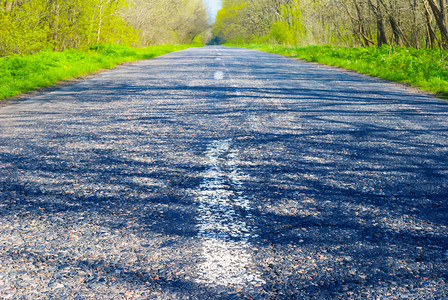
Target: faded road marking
219	75
223	230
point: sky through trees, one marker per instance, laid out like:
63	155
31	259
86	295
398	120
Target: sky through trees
212	8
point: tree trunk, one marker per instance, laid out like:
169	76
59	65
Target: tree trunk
443	10
55	25
8	6
380	28
399	36
100	23
358	25
395	31
414	39
441	19
431	34
394	21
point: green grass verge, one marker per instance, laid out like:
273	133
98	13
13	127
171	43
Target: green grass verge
426	69
19	74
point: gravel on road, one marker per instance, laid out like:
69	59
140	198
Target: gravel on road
224	173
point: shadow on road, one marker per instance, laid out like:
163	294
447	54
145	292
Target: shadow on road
348	187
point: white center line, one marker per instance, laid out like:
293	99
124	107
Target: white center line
219	75
224	233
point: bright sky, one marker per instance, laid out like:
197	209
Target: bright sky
212	7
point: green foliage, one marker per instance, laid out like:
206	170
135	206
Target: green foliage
167	21
19	74
198	40
290	28
282	33
336	22
260	21
423	68
229	23
30	26
34	25
22	28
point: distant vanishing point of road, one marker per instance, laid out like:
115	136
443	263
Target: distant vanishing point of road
224	173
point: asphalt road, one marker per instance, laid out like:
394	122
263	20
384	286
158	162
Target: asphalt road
224	173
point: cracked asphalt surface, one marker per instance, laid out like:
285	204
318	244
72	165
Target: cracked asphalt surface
224	173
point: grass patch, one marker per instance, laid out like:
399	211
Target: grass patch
426	69
19	74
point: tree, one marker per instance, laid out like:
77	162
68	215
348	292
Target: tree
414	23
28	26
167	21
441	16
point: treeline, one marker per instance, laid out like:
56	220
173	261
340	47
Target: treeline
413	23
28	26
168	21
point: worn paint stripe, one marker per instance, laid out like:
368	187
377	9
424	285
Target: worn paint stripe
225	234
